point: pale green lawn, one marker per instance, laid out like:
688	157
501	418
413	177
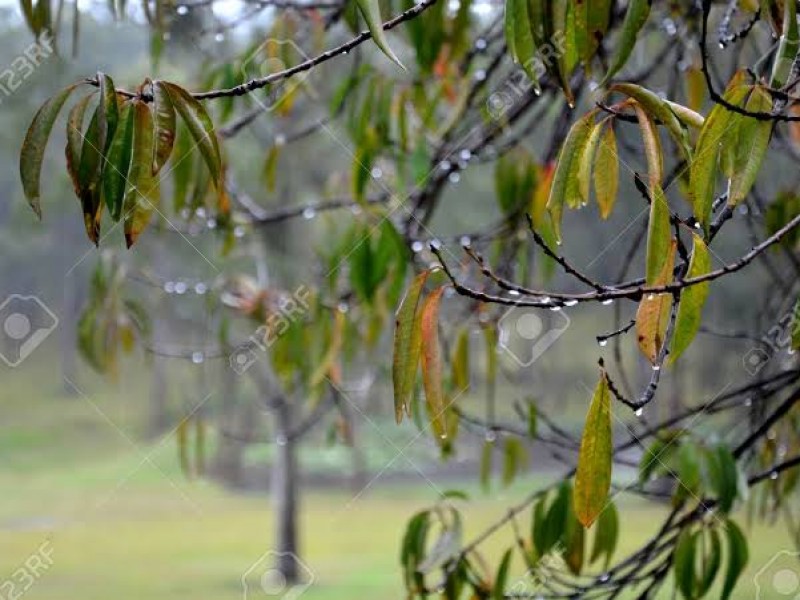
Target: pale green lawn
123	527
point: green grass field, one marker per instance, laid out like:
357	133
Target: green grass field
124	523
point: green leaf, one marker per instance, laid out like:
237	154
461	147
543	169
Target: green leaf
587	159
703	172
659	236
723	475
514	458
407	346
712	557
521	44
606	534
164	120
564	188
460	362
109	109
432	363
498	589
693	298
89	168
738	555
370	10
75	139
200	127
115	176
751	146
683	563
142	192
635	18
606	172
593	476
31	155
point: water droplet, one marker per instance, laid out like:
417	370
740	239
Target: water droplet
185	212
480	44
169	287
480	75
465	154
180	288
309	213
743	209
220	37
200	212
651	296
280	140
603	342
748	402
547	299
182	10
436	244
376	173
281	440
343	307
454	177
417	246
200	288
656	367
604	577
197	357
211	223
639	412
570	303
166	36
238	231
773	475
355	209
490	436
721	46
607	302
513	293
555	308
445	165
465	240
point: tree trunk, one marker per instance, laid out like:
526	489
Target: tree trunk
284	490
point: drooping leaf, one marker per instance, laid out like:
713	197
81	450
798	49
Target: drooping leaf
565	189
164	122
593	476
693	298
109	109
141	194
750	146
407	346
738	555
683	562
75	139
635	18
652	316
703	172
659	110
432	362
200	127
659	235
652	146
370	10
498	589
606	172
587	160
712	557
31	154
514	459
606	534
115	176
